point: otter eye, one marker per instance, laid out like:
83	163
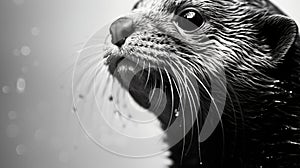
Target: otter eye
189	19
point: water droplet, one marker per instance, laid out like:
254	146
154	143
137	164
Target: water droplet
64	157
21	149
81	96
168	162
12	115
25	50
74	109
12	131
277	101
5	89
35	31
21	84
176	113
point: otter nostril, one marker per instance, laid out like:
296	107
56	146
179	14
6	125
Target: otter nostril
120	30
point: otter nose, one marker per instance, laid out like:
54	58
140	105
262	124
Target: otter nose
120	30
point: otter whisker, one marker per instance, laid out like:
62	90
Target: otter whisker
172	97
189	95
206	90
80	62
89	47
107	79
193	105
152	94
137	63
181	81
192	115
143	67
97	84
87	74
157	103
233	111
117	104
213	101
148	76
180	92
88	66
93	76
160	90
183	116
198	125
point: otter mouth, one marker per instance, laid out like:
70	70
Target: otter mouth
150	87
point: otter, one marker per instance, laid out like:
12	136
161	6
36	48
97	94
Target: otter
181	46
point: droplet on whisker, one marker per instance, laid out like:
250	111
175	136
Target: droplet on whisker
176	113
81	96
74	109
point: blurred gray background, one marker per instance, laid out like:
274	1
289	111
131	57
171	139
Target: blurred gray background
39	39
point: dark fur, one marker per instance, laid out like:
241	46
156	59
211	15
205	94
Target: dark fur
261	122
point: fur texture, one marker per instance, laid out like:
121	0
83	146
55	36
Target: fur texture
259	49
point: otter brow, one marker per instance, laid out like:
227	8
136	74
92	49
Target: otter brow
177	5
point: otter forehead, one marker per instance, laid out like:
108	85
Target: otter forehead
167	5
217	11
171	5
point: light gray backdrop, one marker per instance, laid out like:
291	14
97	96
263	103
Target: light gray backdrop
39	39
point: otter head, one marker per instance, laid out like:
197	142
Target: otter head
168	54
176	44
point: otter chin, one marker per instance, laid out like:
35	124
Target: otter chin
177	58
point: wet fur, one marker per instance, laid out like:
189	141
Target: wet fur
260	51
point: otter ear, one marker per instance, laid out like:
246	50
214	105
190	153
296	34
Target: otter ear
280	33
